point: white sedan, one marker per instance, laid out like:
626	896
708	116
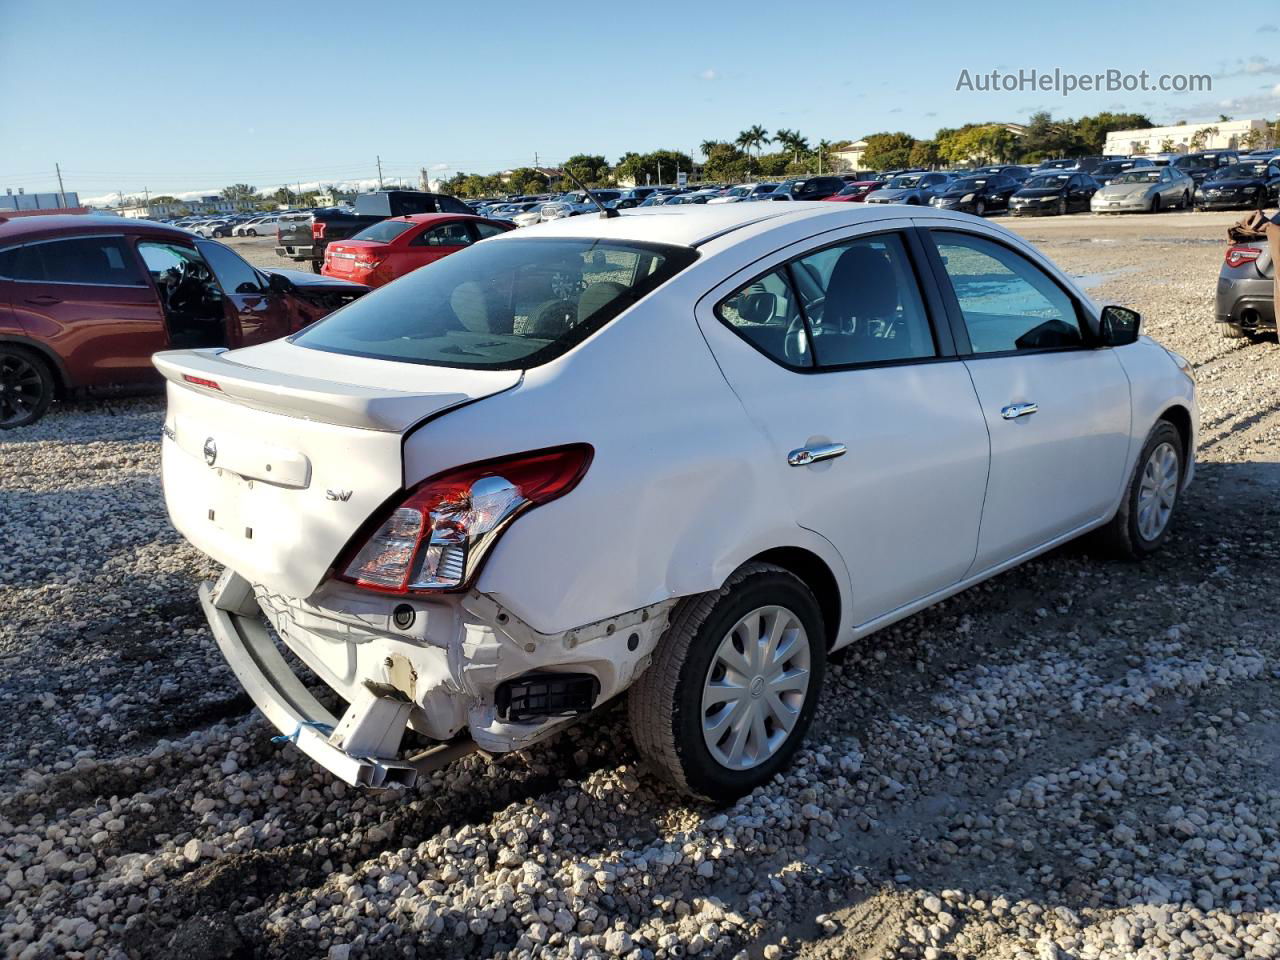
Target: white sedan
681	453
257	227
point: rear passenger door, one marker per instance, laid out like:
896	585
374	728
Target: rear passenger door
1056	405
873	434
88	299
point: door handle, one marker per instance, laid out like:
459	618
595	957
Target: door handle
44	299
819	451
1015	410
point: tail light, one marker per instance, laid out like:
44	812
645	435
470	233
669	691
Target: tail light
317	229
367	260
437	538
1238	256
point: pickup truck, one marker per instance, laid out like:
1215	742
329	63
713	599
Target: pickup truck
305	237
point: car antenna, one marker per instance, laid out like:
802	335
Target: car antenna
605	212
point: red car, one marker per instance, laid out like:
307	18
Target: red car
384	251
856	192
86	300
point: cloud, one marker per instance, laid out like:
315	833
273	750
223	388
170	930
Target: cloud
708	74
896	110
932	113
362	186
1253	105
1252	67
440	166
1269	28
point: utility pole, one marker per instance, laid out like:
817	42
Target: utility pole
146	196
659	173
535	159
62	194
379	173
120	194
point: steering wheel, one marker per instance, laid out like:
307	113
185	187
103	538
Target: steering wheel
795	345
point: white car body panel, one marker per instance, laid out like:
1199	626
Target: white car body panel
690	427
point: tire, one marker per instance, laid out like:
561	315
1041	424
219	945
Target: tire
27	387
251	232
666	705
317	266
1062	208
1186	201
1155	203
1135	532
979	209
218	234
1231	331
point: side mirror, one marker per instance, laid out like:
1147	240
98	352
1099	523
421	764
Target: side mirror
1119	326
279	283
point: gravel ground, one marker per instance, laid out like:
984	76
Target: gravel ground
1078	759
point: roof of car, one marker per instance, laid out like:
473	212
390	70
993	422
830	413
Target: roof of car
694	224
19	228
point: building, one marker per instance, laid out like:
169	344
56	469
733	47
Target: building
850	158
1224	135
159	210
331	198
21	201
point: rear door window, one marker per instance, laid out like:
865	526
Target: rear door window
95	261
445	235
384	232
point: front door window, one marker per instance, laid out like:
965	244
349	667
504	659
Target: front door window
194	305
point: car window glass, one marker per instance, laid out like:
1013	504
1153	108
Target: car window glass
87	260
766	315
233	273
487	230
1007	302
445	235
868	307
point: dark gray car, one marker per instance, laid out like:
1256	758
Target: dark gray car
912	188
1246	290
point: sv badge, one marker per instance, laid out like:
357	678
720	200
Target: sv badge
343	495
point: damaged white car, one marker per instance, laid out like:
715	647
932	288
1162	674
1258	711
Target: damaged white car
683	454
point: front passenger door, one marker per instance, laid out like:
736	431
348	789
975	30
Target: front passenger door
257	313
1057	408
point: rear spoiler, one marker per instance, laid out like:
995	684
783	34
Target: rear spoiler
346	404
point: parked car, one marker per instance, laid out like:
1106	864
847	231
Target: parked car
1201	165
977	195
1057	193
1145	190
856	192
577	202
1017	171
1249	183
912	188
1060	163
1246	290
416	496
84	303
306	238
215	229
1108	171
257	227
394	247
744	191
810	188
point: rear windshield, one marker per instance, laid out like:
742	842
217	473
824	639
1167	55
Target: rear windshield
384	232
509	305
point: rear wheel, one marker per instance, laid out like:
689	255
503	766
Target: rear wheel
979	209
1062	207
733	684
1231	331
1155	203
251	232
26	387
1142	523
1186	201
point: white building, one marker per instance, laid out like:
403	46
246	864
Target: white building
154	210
850	158
1225	135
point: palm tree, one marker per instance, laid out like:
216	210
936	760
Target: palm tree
706	146
792	141
823	147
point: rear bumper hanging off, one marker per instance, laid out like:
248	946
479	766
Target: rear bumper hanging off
371	721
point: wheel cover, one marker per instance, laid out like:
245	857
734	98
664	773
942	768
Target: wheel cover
1157	491
21	388
755	688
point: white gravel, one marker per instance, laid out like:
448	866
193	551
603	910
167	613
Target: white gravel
1079	759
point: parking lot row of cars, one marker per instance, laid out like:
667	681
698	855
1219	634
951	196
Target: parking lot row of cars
1102	184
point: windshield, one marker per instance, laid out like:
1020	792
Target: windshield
968	183
1138	176
1241	171
499	306
1047	181
1114	166
1057	164
383	232
904	182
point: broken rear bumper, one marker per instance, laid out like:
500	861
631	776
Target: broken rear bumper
439	673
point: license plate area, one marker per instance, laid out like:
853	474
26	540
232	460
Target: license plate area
232	506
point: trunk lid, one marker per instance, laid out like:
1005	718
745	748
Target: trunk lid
271	472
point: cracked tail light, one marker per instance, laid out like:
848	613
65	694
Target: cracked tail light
1238	256
439	535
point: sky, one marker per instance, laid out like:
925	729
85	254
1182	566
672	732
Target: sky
185	98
